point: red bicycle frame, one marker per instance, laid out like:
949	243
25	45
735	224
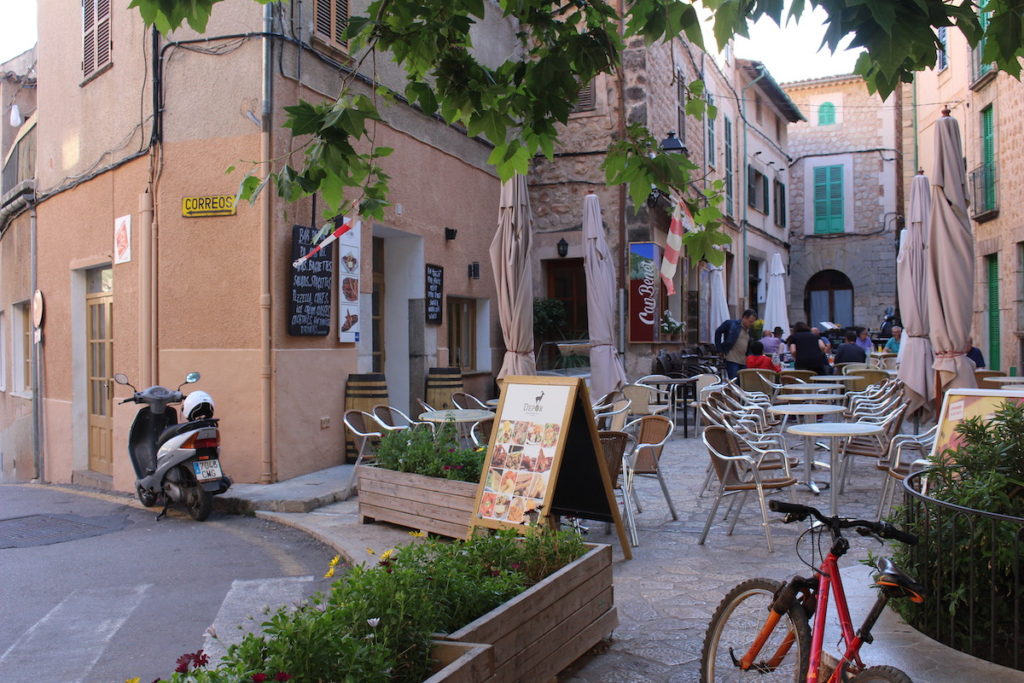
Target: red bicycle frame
829	578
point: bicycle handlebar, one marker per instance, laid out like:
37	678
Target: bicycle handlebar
796	512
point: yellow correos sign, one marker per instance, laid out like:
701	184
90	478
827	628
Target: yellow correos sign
213	205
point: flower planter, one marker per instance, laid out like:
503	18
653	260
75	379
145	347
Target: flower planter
549	626
440	506
461	662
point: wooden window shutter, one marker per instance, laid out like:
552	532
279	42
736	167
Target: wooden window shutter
586	98
95	35
102	33
765	197
330	21
828	199
751	187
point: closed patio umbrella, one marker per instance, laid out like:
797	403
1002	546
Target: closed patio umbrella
950	261
513	275
916	355
606	372
776	313
719	312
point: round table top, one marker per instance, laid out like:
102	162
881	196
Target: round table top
492	402
835	429
808	397
806	409
457	414
816	387
883	354
1005	380
836	378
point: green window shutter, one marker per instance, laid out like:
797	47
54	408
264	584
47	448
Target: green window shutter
728	166
988	158
826	114
994	350
765	197
828	199
751	188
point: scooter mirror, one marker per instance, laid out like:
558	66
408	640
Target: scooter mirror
191	377
121	378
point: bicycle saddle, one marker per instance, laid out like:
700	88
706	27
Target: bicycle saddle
897	584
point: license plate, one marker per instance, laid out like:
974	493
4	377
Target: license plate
206	469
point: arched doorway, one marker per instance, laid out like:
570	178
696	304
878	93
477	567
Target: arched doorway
828	295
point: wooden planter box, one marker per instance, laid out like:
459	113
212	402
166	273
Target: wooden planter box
546	628
461	662
440	506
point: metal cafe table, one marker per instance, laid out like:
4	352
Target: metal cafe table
808	398
836	378
834	430
813	387
679	388
464	418
807	411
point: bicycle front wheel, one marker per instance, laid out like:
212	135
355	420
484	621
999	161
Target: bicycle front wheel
738	620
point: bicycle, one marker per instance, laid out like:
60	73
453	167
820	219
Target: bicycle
741	643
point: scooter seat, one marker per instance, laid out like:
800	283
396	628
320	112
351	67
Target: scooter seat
182	427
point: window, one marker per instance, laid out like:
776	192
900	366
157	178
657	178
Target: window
586	98
728	167
828	199
780	204
757	109
828	296
757	190
712	153
21	347
942	58
96	42
331	21
780	128
462	333
826	114
680	108
979	67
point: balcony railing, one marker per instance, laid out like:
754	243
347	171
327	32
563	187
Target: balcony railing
979	69
984	197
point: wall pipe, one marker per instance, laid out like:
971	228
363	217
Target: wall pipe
147	291
746	203
266	332
37	340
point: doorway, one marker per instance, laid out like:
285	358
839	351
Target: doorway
99	305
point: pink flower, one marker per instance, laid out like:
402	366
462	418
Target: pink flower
259	678
282	676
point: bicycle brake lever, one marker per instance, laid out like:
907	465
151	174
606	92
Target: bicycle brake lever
867	532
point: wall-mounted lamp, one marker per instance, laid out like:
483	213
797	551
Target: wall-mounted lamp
474	270
672	144
449	234
563	248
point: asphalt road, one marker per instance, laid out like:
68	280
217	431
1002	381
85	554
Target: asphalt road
93	588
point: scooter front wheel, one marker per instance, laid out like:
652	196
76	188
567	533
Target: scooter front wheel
199	502
146	497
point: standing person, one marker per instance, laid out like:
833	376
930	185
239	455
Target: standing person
807	348
732	338
893	345
758	360
864	340
850	351
771	343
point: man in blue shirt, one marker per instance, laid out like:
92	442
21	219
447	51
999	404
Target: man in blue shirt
975	354
732	338
893	345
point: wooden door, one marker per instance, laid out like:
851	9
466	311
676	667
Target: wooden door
99	314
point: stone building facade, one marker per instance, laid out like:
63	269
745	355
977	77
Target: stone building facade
846	202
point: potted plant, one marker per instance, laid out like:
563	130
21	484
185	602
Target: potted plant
423	479
671	329
380	624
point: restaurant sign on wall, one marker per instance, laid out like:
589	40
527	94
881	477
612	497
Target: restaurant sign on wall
644	292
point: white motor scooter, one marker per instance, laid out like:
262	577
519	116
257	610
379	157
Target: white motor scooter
178	462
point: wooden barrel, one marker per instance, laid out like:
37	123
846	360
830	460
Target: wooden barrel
362	392
441	382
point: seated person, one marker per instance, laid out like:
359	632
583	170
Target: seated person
771	342
974	353
864	340
893	345
807	348
757	359
850	351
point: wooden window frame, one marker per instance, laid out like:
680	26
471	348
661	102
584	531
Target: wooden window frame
586	98
327	28
97	39
21	348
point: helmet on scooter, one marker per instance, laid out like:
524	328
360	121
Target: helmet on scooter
198	404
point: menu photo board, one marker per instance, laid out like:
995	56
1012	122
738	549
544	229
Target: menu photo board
544	459
963	404
434	293
350	267
309	300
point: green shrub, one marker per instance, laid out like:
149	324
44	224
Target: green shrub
421	450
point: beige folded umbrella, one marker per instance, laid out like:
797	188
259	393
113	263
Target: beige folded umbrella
513	275
776	307
916	355
950	261
606	372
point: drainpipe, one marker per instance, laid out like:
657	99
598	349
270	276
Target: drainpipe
746	173
267	474
37	389
147	376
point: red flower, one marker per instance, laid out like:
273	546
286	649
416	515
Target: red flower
200	659
183	662
259	678
282	676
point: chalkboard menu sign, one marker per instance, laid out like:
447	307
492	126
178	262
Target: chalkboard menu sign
309	304
435	290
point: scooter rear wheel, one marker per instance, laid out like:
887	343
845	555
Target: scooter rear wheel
146	497
199	502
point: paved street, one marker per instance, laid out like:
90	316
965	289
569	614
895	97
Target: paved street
125	595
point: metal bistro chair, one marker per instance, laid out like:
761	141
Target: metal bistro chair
741	473
463	400
898	465
646	400
613	417
615	445
392	418
651	432
361	425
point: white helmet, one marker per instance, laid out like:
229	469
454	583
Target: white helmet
197	405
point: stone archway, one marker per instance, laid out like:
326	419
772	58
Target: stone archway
828	295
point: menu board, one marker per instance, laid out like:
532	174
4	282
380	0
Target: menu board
349	269
963	404
309	301
531	472
435	291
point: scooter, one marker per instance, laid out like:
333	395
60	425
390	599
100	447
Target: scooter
178	462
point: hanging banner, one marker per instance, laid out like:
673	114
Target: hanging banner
644	292
349	268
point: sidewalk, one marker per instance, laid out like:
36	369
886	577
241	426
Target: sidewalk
668	592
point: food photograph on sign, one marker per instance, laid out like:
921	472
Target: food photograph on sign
963	404
519	469
349	246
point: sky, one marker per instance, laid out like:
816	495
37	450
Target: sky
797	61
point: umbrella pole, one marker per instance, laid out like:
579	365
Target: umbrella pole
938	394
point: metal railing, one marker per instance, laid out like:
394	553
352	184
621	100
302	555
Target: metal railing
984	197
979	67
970	562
